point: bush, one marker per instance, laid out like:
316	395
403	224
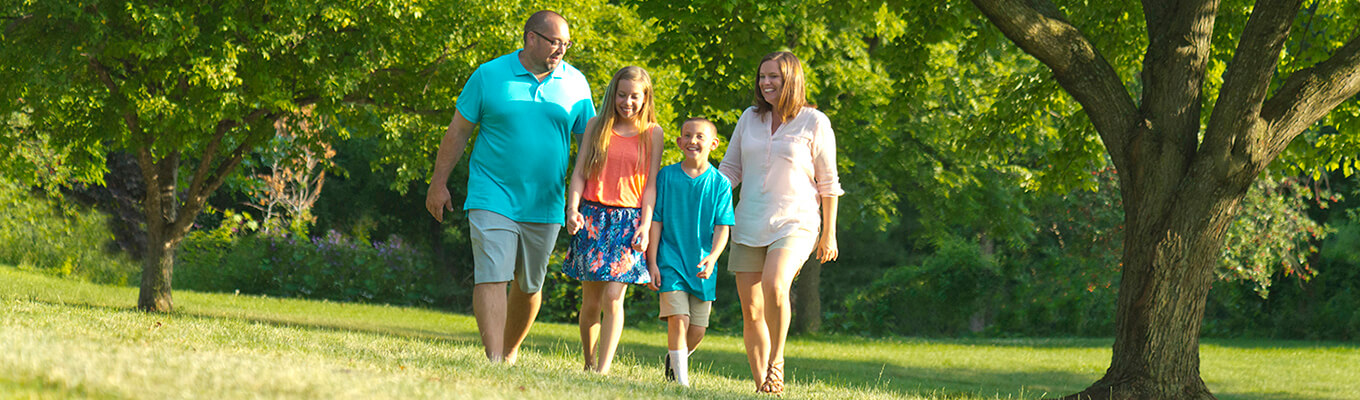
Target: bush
53	237
939	296
334	267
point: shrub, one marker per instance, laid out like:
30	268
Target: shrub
335	267
57	238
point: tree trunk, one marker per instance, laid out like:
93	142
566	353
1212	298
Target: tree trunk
157	267
161	206
807	298
1168	269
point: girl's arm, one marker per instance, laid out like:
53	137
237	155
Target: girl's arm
652	268
640	239
578	179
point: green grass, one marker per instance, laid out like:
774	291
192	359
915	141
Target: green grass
67	339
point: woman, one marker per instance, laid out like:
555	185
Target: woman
785	152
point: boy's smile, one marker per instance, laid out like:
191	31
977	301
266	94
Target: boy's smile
696	140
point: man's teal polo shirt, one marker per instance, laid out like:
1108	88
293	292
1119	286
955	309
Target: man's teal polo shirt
519	160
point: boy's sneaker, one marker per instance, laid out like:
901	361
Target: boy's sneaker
666	363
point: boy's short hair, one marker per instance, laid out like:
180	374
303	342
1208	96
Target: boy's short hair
701	120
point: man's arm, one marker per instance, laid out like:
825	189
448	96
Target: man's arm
437	198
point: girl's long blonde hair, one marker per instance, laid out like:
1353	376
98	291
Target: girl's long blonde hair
643	121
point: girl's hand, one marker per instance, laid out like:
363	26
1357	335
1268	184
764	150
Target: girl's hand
827	249
574	221
640	238
706	267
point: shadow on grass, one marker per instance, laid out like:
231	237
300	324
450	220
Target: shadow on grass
447	336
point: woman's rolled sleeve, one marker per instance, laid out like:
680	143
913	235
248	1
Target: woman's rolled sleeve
824	160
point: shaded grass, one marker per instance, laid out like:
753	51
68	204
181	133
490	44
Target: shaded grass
66	339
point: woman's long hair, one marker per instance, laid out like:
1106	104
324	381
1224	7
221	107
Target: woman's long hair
792	95
643	120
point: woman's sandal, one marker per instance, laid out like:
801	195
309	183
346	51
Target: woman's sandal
774	380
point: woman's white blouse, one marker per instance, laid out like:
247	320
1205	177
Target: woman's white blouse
785	173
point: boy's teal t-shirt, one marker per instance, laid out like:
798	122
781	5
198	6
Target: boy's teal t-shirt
689	209
519	161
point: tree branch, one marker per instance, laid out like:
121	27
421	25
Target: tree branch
1040	30
1173	74
1236	123
1310	94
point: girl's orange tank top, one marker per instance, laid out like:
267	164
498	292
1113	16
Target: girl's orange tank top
622	177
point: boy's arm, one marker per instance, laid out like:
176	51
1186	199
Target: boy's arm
655	239
720	233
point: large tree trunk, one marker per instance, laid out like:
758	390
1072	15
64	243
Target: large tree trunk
1168	269
807	298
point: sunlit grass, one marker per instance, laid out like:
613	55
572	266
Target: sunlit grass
67	339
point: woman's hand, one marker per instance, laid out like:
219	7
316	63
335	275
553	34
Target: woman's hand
827	250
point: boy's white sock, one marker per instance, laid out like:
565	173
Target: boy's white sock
680	364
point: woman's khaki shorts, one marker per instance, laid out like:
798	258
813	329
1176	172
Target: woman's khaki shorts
744	258
680	302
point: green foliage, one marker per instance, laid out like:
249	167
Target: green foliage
230	259
58	238
936	297
1273	234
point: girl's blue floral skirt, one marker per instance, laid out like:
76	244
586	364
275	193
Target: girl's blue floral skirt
603	249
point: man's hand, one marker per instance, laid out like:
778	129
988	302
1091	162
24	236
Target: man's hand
437	199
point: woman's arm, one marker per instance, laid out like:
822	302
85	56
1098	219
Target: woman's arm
827	249
731	163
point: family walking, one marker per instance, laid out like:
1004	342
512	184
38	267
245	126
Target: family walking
632	221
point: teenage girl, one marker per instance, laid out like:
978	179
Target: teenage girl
611	197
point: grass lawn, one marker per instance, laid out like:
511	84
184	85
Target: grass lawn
67	339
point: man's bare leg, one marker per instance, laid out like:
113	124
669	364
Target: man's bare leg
488	304
522	310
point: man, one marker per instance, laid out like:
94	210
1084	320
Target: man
528	103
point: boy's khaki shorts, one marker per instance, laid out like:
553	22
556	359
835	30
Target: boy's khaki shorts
679	302
743	258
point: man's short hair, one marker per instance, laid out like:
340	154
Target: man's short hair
541	20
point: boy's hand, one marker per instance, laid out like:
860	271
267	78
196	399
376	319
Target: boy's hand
655	284
574	221
706	267
640	239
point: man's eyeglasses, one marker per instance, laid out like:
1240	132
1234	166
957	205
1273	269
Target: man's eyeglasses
555	43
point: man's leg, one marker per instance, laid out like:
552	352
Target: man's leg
531	267
493	246
520	315
488	303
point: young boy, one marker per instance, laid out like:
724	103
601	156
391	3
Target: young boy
690	225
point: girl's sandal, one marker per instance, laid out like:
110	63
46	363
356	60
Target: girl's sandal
774	380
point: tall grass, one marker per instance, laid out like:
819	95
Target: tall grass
57	238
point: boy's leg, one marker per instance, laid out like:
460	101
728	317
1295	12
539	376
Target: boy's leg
698	321
677	350
589	320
